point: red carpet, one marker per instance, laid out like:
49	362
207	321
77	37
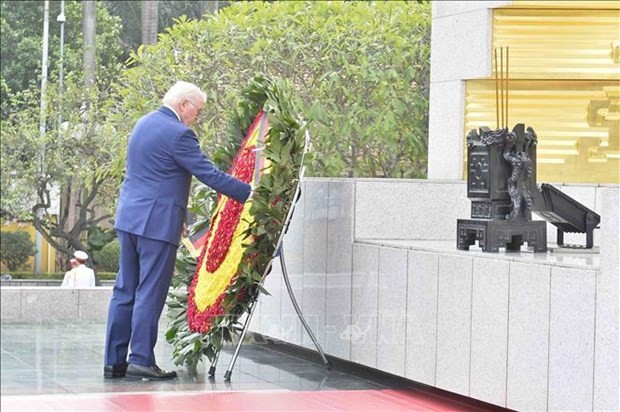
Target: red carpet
363	400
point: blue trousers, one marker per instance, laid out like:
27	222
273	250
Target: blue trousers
138	298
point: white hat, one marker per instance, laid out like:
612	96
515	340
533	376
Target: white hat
81	255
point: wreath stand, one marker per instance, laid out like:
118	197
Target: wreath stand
279	251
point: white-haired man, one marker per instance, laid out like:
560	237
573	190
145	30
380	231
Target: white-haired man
162	155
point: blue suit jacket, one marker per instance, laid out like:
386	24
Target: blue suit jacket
162	156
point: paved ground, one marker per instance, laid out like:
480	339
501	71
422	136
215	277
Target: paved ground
62	364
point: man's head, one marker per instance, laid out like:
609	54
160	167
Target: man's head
187	100
80	256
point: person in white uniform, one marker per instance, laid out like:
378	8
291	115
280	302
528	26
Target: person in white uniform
80	276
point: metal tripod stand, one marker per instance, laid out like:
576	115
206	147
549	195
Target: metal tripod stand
248	319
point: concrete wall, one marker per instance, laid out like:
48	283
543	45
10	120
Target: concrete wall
423	209
606	333
527	331
33	303
461	46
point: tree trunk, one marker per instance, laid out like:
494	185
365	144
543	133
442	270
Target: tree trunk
89	30
62	234
149	21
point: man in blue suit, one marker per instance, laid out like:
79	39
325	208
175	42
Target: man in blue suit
162	155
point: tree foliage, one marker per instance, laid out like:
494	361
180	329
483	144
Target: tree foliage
22	37
361	70
15	249
130	13
74	148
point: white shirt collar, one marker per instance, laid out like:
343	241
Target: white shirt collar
173	111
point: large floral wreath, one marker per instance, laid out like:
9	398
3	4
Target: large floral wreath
209	295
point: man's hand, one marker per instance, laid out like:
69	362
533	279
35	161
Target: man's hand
185	231
253	194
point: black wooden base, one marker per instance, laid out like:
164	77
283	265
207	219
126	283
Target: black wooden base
494	234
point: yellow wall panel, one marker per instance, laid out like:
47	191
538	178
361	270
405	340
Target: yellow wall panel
564	81
48	253
568	4
559	44
571	147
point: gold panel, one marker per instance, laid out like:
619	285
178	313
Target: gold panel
568	4
564	82
577	124
560	43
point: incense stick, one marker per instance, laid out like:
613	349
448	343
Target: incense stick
507	49
496	92
501	75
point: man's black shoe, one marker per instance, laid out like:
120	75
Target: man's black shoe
114	371
136	372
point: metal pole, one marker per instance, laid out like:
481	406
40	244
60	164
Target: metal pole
298	310
214	363
248	319
61	19
42	121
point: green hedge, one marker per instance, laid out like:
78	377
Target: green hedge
361	70
109	255
16	248
54	275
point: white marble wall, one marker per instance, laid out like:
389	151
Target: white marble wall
446	124
454	323
461	46
429	209
453	8
40	302
421	339
392	310
606	333
527	335
409	209
315	259
318	254
338	280
571	339
364	305
489	329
